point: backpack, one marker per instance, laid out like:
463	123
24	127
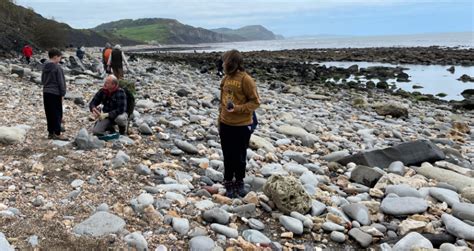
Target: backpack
129	89
106	55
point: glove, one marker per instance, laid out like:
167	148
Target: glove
103	116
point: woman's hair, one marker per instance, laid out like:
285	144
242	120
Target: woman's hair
233	62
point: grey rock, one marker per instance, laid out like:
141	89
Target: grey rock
186	147
256	224
358	212
366	176
77	183
247	210
4	244
216	215
335	156
457	227
455	179
338	237
273	169
255	236
120	159
362	238
224	230
197	231
397	167
412	240
204	204
84	141
403	205
444	195
468	193
137	241
181	225
201	243
330	226
143	170
32	240
307	222
410	153
403	190
145	199
102	208
317	208
464	211
291	224
214	175
100	224
145	129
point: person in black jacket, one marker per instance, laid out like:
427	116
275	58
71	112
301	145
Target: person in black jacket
116	61
114	111
54	89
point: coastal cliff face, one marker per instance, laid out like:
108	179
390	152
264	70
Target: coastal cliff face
170	31
19	26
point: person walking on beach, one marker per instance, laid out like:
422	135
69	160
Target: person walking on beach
114	111
80	52
105	57
238	100
116	61
27	53
54	89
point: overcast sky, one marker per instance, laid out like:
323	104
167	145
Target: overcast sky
288	17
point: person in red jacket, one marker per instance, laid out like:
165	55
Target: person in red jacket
27	52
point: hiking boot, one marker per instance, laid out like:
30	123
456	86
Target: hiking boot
240	188
229	189
50	136
122	130
60	137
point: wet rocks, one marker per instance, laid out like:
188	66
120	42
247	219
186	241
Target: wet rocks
466	78
100	224
288	194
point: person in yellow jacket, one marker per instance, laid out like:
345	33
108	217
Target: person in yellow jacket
238	100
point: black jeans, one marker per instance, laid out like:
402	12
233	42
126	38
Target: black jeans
234	144
53	108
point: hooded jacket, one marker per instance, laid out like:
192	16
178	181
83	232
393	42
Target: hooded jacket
53	79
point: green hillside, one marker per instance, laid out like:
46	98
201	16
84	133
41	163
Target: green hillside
154	32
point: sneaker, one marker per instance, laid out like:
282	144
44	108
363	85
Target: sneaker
229	189
60	137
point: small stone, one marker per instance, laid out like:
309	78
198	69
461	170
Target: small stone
137	241
291	224
338	237
181	225
77	183
201	243
216	215
256	224
224	230
412	240
362	238
255	236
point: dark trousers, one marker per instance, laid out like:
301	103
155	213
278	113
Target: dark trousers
118	72
27	60
53	108
234	143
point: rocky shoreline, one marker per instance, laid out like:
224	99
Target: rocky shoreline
160	187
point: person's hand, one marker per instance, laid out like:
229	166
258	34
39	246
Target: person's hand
95	111
103	116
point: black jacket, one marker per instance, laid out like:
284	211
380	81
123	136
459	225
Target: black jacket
53	79
113	105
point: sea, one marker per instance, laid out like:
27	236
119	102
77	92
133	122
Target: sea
434	79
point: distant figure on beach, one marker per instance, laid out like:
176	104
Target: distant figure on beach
116	61
27	53
114	111
105	56
80	52
219	67
238	100
54	90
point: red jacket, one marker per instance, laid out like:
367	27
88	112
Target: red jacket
27	51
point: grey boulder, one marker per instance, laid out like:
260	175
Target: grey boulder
403	205
100	224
